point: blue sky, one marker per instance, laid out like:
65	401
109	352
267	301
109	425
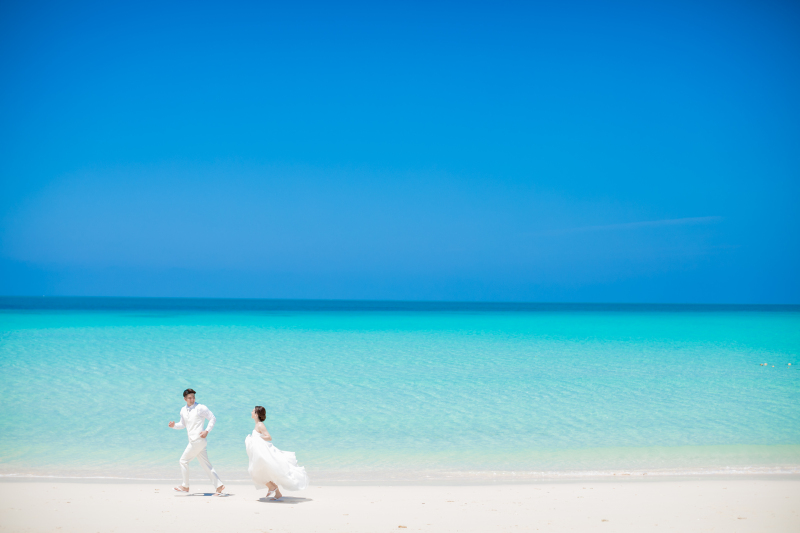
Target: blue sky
581	151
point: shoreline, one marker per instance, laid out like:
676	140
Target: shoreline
481	478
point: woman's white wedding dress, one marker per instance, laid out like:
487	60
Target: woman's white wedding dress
268	463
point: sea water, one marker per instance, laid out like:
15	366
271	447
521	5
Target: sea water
397	391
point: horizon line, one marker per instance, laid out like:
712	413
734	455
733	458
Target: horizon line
361	300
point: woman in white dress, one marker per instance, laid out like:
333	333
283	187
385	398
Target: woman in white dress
269	466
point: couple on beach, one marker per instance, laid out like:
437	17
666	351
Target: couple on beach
269	467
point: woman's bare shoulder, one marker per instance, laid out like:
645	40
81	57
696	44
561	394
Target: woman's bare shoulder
260	426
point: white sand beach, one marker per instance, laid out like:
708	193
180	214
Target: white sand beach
701	504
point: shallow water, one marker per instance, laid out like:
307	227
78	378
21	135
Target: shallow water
400	391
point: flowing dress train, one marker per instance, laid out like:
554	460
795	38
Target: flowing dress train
268	463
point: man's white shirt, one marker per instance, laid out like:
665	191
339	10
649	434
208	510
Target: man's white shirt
192	419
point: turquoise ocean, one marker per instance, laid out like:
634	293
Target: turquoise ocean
400	391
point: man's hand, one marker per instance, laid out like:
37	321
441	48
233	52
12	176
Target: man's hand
203	434
172	424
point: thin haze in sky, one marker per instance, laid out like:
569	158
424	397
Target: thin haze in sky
512	151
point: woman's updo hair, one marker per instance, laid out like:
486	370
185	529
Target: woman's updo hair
261	413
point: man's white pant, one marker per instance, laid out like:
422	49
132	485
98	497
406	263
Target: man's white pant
198	449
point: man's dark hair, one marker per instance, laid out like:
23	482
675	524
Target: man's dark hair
187	392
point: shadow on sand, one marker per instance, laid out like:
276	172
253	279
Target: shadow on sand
291	500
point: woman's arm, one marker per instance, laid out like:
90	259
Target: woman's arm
261	428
